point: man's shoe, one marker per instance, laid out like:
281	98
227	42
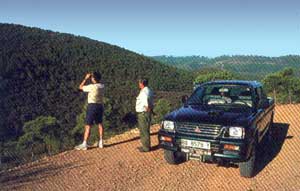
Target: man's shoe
81	147
142	150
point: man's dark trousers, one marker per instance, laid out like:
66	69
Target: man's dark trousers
144	122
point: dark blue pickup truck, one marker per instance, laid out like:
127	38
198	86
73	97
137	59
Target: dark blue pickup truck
222	121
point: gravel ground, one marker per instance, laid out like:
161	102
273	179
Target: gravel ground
119	166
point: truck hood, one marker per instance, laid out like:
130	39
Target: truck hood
212	115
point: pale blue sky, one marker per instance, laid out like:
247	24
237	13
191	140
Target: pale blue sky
170	27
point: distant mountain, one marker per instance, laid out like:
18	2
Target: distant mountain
40	72
251	67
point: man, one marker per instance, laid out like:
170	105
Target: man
225	97
144	108
94	113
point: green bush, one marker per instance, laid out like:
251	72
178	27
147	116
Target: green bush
162	107
40	135
283	86
214	75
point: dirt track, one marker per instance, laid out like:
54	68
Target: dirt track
120	166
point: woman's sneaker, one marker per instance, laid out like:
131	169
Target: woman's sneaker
100	144
81	147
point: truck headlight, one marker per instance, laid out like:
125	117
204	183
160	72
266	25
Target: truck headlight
236	132
168	125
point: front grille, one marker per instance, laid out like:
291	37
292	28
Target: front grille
207	130
215	147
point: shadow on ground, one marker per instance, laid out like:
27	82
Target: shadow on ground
271	148
127	141
15	178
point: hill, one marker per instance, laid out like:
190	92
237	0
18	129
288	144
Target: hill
119	166
250	67
40	71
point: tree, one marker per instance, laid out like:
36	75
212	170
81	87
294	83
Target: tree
42	132
284	85
287	81
162	107
272	83
212	75
296	89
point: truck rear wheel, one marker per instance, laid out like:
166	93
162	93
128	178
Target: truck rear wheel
247	169
173	157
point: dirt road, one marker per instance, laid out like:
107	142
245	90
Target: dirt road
119	166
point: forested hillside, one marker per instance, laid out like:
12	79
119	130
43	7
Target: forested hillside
251	67
39	76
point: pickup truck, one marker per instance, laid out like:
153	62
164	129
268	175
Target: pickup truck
221	122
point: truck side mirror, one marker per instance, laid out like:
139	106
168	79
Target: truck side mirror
184	99
265	103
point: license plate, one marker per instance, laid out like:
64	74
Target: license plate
195	144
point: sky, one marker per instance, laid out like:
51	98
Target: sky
170	27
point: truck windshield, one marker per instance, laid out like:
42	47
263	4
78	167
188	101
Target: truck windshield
223	95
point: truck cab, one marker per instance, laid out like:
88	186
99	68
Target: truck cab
221	121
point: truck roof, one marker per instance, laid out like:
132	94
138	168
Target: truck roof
253	84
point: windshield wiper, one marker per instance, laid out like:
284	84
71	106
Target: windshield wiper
194	103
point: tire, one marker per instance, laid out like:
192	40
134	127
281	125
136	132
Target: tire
172	157
247	169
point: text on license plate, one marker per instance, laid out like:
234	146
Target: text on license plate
195	144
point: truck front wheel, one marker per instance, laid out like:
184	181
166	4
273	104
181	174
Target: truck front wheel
247	169
173	157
